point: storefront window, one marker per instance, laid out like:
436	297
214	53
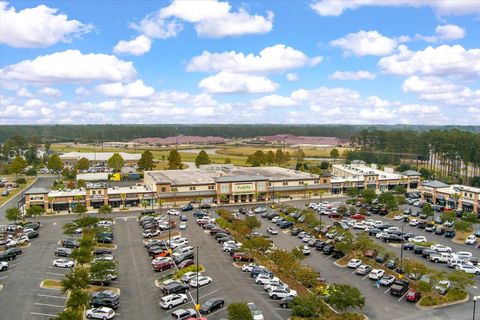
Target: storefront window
224	188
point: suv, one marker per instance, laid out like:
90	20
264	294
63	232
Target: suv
183	314
175	287
63	252
70	243
104	301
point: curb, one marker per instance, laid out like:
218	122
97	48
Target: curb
444	304
339	265
48	287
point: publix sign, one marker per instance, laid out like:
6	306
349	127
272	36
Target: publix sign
250	187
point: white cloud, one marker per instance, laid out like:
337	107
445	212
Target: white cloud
441	7
50	92
35	103
443	60
228	82
82	91
37	27
444	33
70	66
24	93
272	101
348	75
292	77
277	58
417	108
212	19
363	43
136	47
135	89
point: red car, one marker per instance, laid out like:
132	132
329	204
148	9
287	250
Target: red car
240	256
413	295
358	216
334	215
163	266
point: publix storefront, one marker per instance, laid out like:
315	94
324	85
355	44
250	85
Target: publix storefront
238	189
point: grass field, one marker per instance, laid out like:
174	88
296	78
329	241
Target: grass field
14	192
309	153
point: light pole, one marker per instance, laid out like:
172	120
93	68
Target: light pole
197	305
169	239
474	303
401	251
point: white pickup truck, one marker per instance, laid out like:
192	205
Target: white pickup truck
440	257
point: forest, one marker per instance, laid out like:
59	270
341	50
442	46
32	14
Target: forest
101	133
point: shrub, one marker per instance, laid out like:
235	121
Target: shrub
192	268
21	180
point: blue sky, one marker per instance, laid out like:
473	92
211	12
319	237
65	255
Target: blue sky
318	61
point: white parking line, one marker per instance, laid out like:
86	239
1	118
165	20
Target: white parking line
208	294
4	277
365	277
44	314
387	290
354	271
56	274
403	296
211	314
49	296
48	305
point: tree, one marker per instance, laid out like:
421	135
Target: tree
344	296
105	209
116	162
54	162
227	160
426	174
308	307
399	189
257	159
463	226
252	223
146	161
279	157
70	314
202	158
306	276
102	270
13	214
470	217
448	216
31	172
82	255
77	278
389	200
412	266
34	212
80	209
334	153
363	242
346	244
82	164
352	192
78	299
299	155
270	157
174	160
368	195
427	210
17	165
259	244
239	311
324	165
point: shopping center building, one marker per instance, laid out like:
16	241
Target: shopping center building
463	198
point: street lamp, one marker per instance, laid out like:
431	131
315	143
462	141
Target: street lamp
474	303
401	251
197	305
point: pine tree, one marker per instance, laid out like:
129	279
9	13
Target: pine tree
146	161
82	164
54	163
116	162
174	160
202	158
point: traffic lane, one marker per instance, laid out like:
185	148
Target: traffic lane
22	286
230	280
379	304
136	280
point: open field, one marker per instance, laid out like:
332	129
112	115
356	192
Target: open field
309	153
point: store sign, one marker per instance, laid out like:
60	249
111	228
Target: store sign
96	196
36	198
244	187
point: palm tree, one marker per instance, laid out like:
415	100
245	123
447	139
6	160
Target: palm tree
455	197
123	196
223	198
309	193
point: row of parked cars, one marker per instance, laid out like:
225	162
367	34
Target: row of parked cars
176	253
12	238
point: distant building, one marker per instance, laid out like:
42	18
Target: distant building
181	140
455	197
95	158
289	139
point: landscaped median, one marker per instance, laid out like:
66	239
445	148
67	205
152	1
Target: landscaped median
179	274
288	267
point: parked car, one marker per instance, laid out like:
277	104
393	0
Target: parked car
63	252
174	287
100	313
183	314
63	263
257	314
363	269
280	293
3	265
172	300
104	301
399	288
413	295
200	281
212	304
387	280
187	207
376	274
354	263
471	239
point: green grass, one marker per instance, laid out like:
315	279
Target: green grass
14	192
432	299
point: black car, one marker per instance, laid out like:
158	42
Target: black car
185	256
183	218
418	249
374	231
295	231
211	305
337	254
391	264
427	253
104	302
286	224
204	206
175	287
32	234
380	258
104	239
392	238
422	225
15	251
33	225
328	249
408	246
449	233
5	256
101	251
187	207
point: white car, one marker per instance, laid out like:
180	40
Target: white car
173	300
274	283
150	234
260	209
104	223
398	217
256	313
272	230
275	219
249	267
179	242
202	280
464	255
188	276
306	250
471	239
354	263
387	280
414	222
418	239
468	269
182	226
359	225
100	313
441	248
264	279
63	263
173	212
376	274
3	265
282	293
